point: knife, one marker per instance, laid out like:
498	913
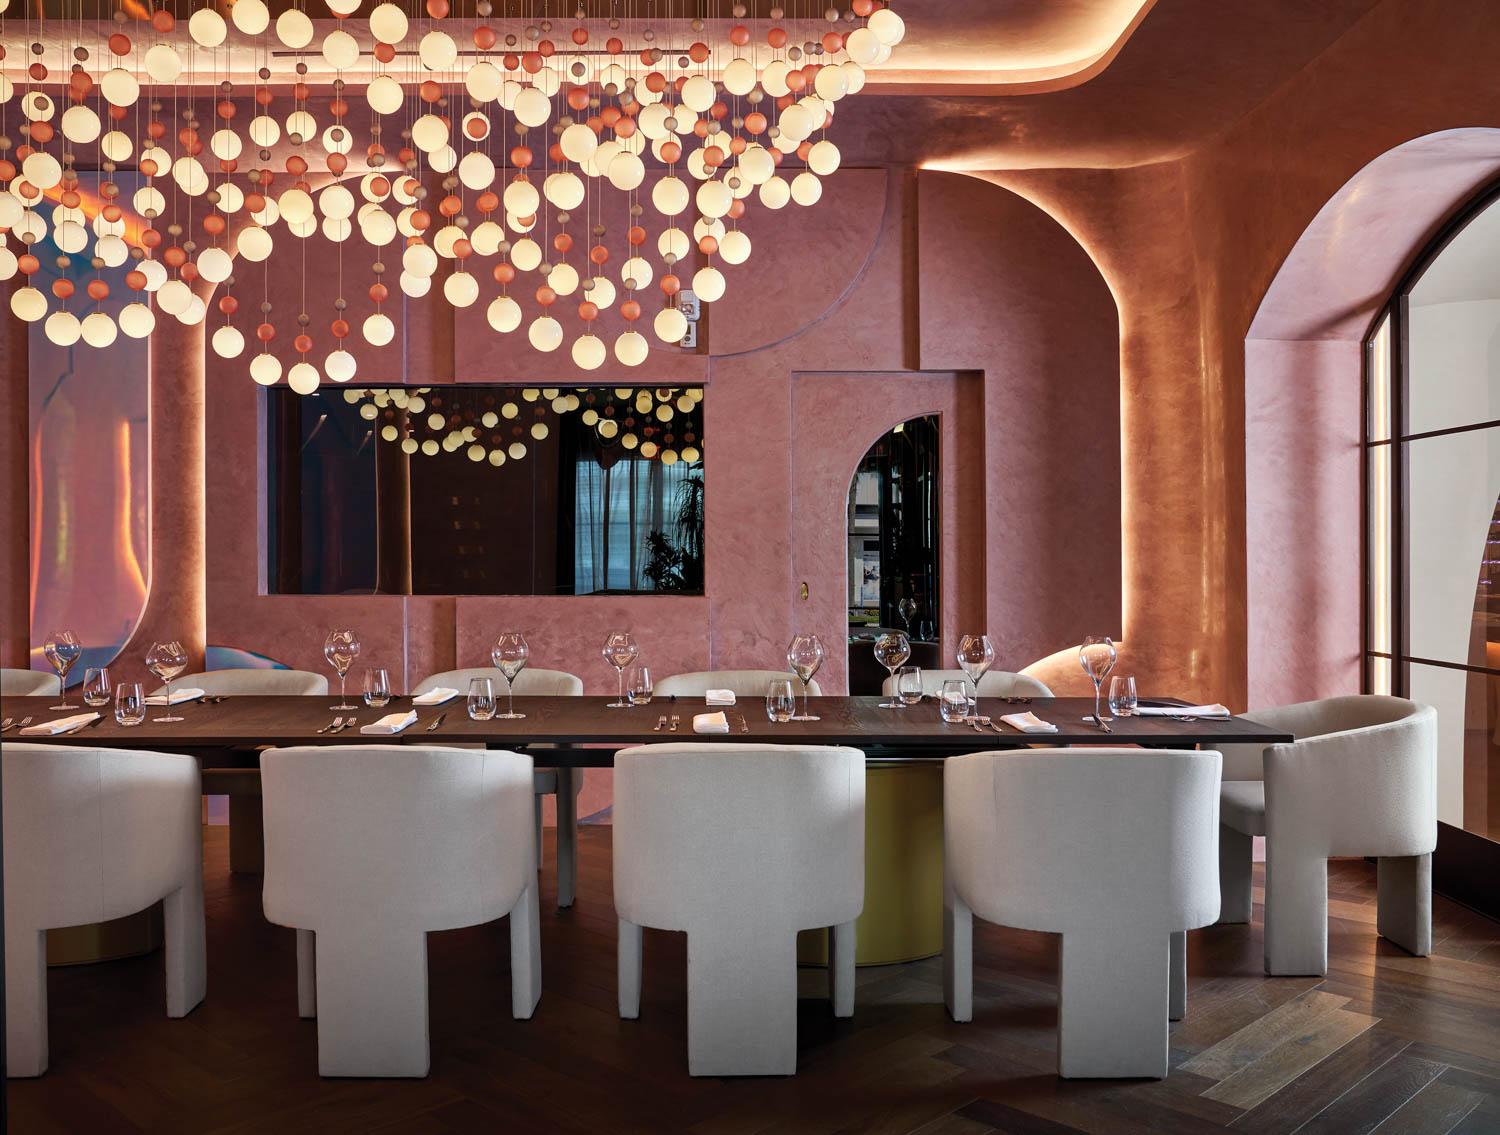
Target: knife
437	721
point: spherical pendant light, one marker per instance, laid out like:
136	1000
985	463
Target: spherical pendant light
264	130
8	263
340	365
301	124
739	77
823	159
437	51
120	87
504	314
28	303
602	292
384	95
163	64
303	378
483	82
80	124
476	171
831	83
215	265
155	273
589	352
526	254
714	199
296	206
631	348
225	145
532	107
636	273
207	28
429	132
565	190
708	284
577	142
62	328
340	50
806	188
734	247
545	333
388	23
254	244
563	279
137	320
415	286
887	27
294	28
670	196
461	289
228	343
378	330
194	314
250	16
520	198
863	46
98	329
173	297
419	260
698	93
42	170
265	369
670	325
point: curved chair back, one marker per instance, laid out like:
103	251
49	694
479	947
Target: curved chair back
1084	839
529	682
995	684
394	835
744	683
16	683
711	837
252	681
1305	720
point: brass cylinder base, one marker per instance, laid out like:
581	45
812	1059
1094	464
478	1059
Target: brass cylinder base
127	937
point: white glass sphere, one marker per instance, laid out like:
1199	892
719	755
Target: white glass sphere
250	16
796	123
420	260
674	242
823	158
28	303
714	199
388	23
69	236
207	28
62	328
698	93
705	226
863	46
476	126
38	107
887	27
545	333
415	286
11	210
739	77
116	146
734	247
577	142
343	8
520	197
8	266
173	297
601	292
652	121
443	159
589	352
526	255
670	196
486	237
631	348
565	190
504	314
155	273
112	250
532	107
626	171
708	284
338	139
215	265
539	430
831	83
225	145
137	320
80	124
339	365
296	206
563	279
264	130
194	314
42	170
98	329
255	244
670	325
636	273
437	51
265	369
483	81
302	124
190	176
773	78
756	165
337	229
228	343
476	171
336	201
461	289
429	132
384	95
120	87
378	330
854	77
303	378
806	188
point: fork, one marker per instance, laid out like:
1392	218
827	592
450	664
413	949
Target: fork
973	723
6	724
991	724
23	723
744	725
676	720
661	723
1101	723
332	725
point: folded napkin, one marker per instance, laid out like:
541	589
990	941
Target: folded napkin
391	723
1028	722
63	724
436	696
1215	710
710	723
719	697
177	696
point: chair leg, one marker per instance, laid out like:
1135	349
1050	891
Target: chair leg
1296	912
25	1001
958	959
742	1002
372	1004
1177	976
567	836
1236	868
186	947
307	975
525	955
536	808
628	962
841	969
1112	1005
1404	902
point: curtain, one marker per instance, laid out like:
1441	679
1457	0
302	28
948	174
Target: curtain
616	510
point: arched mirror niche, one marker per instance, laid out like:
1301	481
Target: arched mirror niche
894	531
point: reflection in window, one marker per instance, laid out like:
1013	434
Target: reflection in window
486	490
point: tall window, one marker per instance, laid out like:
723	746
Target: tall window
1432	464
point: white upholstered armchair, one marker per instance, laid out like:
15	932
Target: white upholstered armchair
744	683
995	684
17	683
1361	779
1116	849
248	680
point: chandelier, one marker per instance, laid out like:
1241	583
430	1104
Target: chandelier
548	166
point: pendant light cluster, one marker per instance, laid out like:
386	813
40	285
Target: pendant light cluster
489	152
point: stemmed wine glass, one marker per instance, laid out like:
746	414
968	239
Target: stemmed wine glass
1097	657
804	654
620	651
891	651
976	654
907	609
509	654
167	659
62	649
341	648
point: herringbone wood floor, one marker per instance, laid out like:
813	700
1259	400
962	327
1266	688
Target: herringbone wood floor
1386	1042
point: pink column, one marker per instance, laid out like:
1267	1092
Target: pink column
15	487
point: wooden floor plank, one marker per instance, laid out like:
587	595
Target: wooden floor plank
1258	1081
1242	1048
1435	1110
1376	1098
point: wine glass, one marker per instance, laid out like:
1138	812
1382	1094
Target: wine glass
509	654
1097	657
620	651
805	654
976	654
891	651
341	648
166	659
62	649
907	609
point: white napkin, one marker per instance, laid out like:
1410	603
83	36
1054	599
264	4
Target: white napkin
63	724
391	723
1215	710
177	696
436	696
710	723
719	697
1028	722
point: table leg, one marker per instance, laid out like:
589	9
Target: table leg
247	849
567	837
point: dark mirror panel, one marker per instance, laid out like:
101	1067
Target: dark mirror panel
486	490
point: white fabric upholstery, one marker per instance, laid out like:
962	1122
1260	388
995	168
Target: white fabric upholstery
15	683
251	681
370	847
92	835
1113	848
744	683
741	847
995	684
1361	779
529	682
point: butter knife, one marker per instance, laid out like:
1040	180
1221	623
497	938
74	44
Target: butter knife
438	720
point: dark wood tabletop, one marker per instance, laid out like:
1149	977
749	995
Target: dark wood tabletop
588	731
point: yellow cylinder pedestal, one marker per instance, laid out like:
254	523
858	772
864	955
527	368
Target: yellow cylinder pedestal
105	941
903	915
